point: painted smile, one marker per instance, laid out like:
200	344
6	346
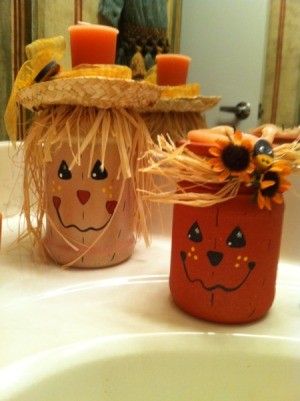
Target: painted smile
110	207
251	266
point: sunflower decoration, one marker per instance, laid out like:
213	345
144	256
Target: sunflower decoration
272	184
232	157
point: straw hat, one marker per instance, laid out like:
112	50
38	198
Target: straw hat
84	87
181	98
39	84
196	104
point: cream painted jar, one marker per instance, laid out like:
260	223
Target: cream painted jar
81	178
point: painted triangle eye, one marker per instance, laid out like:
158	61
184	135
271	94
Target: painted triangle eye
195	233
98	173
63	172
236	238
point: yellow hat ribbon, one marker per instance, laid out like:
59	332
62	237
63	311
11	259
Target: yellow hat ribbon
39	53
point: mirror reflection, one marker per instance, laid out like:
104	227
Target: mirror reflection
143	29
22	22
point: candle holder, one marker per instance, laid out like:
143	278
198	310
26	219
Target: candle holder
93	44
172	69
180	109
227	221
82	154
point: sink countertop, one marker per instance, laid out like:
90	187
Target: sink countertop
44	307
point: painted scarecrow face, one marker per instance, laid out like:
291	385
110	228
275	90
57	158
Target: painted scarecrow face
84	199
224	260
83	206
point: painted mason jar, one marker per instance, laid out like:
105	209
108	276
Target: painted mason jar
225	255
227	221
83	152
81	167
224	259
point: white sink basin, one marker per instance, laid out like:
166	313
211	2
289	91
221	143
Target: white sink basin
120	337
115	334
160	367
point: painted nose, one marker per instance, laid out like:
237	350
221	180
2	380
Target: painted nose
83	196
214	257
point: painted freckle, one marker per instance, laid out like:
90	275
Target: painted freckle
189	254
105	189
244	259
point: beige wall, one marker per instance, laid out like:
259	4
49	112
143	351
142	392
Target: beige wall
282	77
64	14
90	11
54	18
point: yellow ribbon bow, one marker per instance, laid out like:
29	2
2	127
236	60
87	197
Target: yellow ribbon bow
39	53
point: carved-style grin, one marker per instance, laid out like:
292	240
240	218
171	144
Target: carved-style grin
110	207
251	266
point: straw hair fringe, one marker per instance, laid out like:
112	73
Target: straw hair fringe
178	164
47	134
290	153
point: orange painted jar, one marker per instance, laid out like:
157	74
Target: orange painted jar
224	257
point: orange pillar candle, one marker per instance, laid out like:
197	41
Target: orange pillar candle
93	44
172	69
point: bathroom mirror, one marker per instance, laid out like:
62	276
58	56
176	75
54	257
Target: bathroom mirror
23	21
245	52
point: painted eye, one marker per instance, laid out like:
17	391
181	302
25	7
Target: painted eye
195	233
97	173
63	172
236	238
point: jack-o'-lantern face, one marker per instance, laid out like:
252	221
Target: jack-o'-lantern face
224	260
204	265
